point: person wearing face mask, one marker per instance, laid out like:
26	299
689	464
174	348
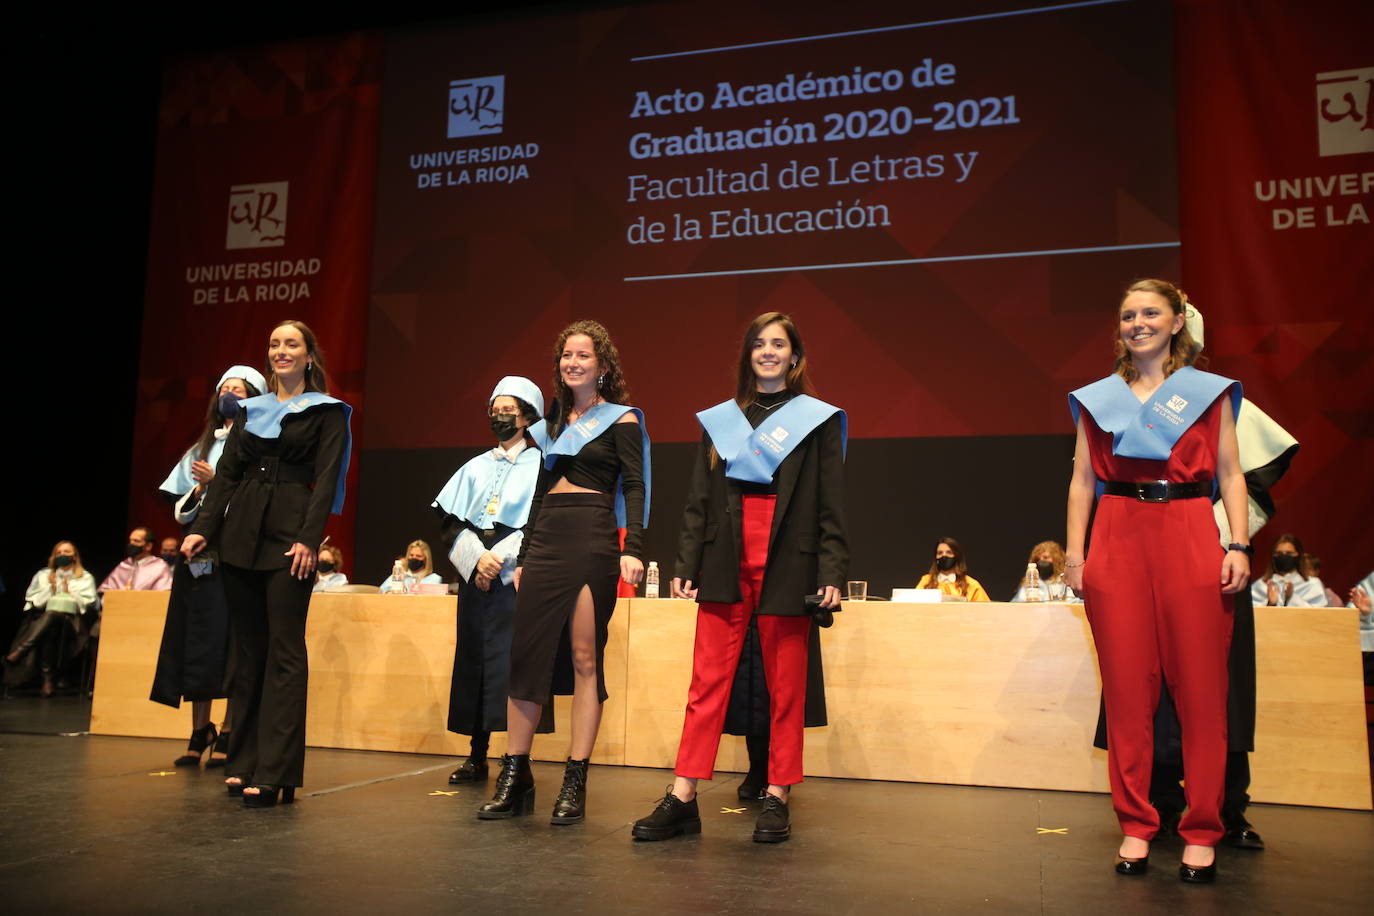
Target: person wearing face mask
1288	580
483	509
949	573
329	570
417	568
1048	558
283	473
141	569
168	551
193	660
58	596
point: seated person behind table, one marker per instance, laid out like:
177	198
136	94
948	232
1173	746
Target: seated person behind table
949	573
1288	580
141	569
1333	599
418	566
1048	558
169	551
329	569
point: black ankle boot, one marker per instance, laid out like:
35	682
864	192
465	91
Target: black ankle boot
474	769
571	806
514	789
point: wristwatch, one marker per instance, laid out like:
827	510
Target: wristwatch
1246	548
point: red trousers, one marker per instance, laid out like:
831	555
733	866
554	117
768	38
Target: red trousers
1153	596
720	634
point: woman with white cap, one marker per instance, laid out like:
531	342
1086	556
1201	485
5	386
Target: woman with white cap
483	509
192	661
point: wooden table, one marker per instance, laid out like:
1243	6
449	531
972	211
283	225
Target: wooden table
989	694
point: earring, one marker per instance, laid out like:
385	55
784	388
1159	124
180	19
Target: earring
794	364
599	380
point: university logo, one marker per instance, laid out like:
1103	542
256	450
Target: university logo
257	215
1177	403
1345	112
476	106
779	433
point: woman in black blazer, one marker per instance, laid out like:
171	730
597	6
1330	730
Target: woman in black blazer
276	484
763	527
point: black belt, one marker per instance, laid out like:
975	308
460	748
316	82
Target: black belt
275	471
1158	491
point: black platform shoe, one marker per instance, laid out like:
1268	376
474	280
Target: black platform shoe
672	817
266	796
1132	867
1240	835
1197	874
235	789
201	738
472	770
514	790
775	823
571	806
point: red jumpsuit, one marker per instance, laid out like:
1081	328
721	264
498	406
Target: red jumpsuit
1152	590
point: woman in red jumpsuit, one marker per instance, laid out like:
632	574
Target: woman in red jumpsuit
1154	437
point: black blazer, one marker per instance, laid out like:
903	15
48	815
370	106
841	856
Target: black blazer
807	548
253	522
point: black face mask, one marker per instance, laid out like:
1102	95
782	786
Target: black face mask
1046	570
62	560
502	427
170	559
1285	563
415	564
228	405
325	567
944	564
133	550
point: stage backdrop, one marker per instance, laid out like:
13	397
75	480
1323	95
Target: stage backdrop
947	199
262	211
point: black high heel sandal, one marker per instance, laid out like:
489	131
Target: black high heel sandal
266	796
201	738
235	789
221	747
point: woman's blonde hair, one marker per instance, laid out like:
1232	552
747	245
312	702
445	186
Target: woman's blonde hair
77	568
1183	349
429	557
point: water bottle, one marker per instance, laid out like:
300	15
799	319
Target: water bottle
651	581
398	577
1032	583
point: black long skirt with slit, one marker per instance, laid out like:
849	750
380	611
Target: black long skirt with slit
573	544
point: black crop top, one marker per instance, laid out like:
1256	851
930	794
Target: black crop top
615	454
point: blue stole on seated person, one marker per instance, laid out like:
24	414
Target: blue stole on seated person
1150	430
753	455
264	418
180	482
469	493
590	425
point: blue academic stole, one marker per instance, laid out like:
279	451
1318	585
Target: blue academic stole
264	418
490	490
180	482
590	425
1150	430
753	455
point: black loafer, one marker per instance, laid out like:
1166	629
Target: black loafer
775	823
1197	874
470	771
1244	837
1132	867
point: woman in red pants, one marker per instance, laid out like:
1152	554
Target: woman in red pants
1154	438
763	527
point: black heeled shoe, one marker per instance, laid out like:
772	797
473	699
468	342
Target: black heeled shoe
266	796
571	806
514	790
754	787
201	738
221	747
472	770
1132	867
235	789
1197	874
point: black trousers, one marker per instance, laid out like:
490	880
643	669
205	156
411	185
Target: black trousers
267	611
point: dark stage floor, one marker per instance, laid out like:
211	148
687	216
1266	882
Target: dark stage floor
104	825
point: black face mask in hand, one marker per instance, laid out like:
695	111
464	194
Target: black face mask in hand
1046	570
1285	563
415	564
62	561
502	427
944	564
